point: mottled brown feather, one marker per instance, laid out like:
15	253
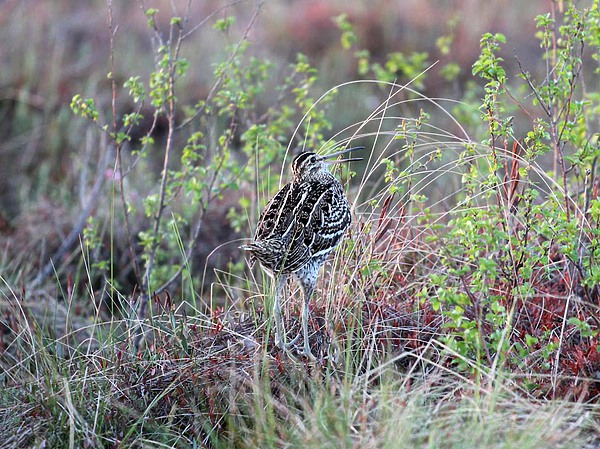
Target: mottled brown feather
304	221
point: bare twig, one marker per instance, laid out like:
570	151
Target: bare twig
199	223
234	53
170	114
118	145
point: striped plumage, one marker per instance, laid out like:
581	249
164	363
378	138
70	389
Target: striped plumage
299	228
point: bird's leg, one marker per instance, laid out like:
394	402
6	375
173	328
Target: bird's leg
307	291
289	344
279	330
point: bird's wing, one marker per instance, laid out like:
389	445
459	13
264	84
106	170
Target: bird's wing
308	219
329	219
322	215
281	227
273	219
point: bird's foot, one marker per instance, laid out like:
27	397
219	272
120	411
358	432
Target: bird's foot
281	343
286	346
307	352
292	343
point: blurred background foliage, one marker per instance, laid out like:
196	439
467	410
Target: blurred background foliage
139	141
54	50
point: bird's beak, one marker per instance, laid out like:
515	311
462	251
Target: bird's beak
339	153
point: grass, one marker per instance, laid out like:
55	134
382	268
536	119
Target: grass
210	382
207	376
461	311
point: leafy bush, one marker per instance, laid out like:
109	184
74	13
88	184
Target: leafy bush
465	294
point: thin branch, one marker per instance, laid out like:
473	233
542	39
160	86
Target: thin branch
118	146
170	113
210	16
231	58
198	226
199	223
533	88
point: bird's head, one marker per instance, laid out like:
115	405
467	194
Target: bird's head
309	164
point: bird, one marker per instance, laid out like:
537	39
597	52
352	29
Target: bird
298	229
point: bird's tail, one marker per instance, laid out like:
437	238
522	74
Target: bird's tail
250	247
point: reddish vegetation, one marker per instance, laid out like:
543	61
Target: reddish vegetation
379	311
399	321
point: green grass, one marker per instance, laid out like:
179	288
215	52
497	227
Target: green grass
198	384
461	311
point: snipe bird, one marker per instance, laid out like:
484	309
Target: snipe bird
299	227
